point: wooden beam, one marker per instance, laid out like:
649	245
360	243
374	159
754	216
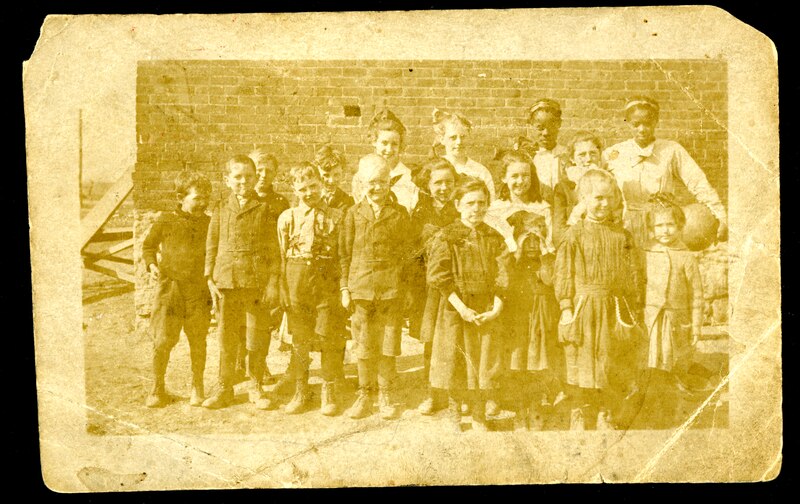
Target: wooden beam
110	251
91	257
108	204
110	269
105	236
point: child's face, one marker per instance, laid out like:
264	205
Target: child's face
377	185
600	201
472	207
265	172
455	139
194	202
241	179
643	122
665	229
441	185
518	179
331	177
586	154
387	145
545	126
308	190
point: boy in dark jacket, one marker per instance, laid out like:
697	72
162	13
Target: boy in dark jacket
374	250
182	299
242	268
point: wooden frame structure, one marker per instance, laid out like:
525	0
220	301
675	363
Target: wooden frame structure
107	261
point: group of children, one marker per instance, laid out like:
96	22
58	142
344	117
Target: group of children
566	284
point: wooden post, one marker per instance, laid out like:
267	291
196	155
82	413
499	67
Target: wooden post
80	156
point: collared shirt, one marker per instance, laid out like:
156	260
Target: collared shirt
305	232
376	208
550	169
474	169
644	171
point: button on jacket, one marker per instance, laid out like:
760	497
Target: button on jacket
182	239
375	252
242	246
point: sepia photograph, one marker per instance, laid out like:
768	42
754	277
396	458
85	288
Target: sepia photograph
376	261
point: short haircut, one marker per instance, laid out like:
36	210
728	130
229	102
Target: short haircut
304	171
661	204
519	220
470	184
188	179
584	136
547	105
371	160
261	155
239	159
422	176
642	103
441	119
596	176
508	157
328	158
385	120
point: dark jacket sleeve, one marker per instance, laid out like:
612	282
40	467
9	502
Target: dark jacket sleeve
152	241
212	242
346	235
561	211
637	273
564	270
440	266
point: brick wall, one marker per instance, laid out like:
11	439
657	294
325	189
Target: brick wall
196	114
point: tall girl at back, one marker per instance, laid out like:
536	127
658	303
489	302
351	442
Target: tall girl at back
387	137
454	132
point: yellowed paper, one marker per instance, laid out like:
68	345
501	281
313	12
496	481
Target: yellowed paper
91	87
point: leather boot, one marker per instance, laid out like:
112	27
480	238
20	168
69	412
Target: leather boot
257	395
158	397
221	399
388	408
300	399
362	408
330	403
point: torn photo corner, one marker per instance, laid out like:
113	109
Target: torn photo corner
117	107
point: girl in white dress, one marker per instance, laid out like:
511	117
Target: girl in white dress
454	131
387	136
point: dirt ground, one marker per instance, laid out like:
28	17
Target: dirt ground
118	379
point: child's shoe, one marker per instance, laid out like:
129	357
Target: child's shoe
330	404
197	397
576	422
299	400
521	419
536	418
388	408
604	421
454	415
492	409
436	401
258	397
479	417
157	399
222	399
362	408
